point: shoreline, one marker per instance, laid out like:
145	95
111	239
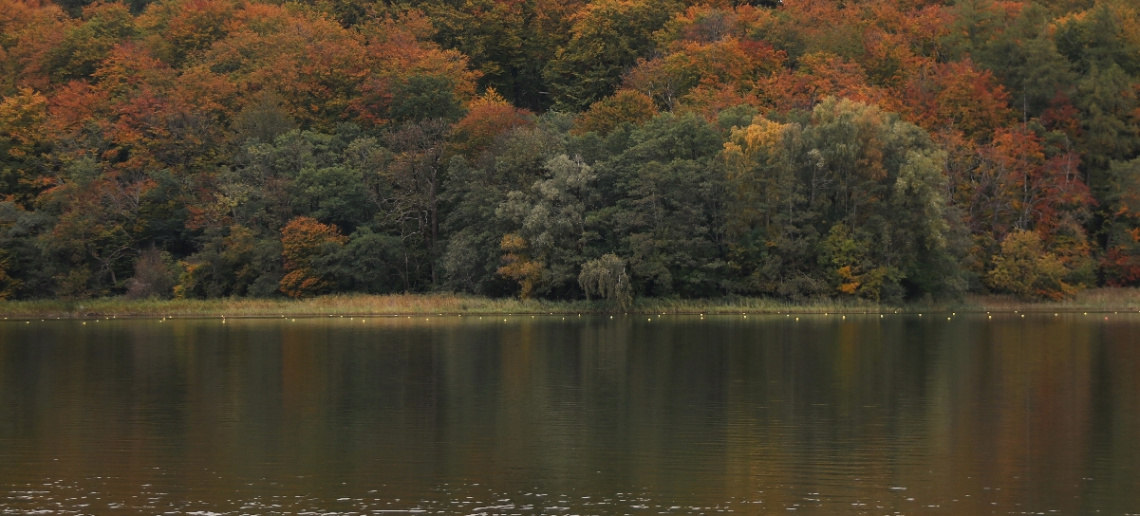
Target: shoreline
1093	300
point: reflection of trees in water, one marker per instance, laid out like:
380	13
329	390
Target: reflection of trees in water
678	407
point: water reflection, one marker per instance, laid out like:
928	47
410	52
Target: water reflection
579	415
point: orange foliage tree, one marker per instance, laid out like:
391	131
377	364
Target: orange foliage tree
518	266
305	242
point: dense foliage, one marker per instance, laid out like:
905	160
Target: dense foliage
885	149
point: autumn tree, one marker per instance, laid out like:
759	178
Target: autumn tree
21	143
623	107
519	266
1024	268
488	117
306	246
606	39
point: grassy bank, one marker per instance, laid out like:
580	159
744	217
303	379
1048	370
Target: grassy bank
1095	300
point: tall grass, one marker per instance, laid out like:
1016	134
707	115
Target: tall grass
1106	299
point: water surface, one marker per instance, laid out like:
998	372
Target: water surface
569	415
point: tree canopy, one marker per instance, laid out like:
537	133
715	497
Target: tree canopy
882	149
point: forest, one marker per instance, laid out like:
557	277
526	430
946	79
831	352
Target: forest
889	150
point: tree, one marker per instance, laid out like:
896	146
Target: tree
1026	59
425	97
664	209
183	30
21	142
414	180
473	192
1108	102
509	42
606	39
231	261
765	215
551	219
853	271
1098	38
519	266
373	262
855	199
959	96
334	194
605	277
1024	268
154	275
1121	263
306	246
488	117
84	46
623	107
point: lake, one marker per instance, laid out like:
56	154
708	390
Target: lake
856	414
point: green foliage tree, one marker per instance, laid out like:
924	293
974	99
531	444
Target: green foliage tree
551	219
1121	263
425	97
473	194
665	210
1108	103
24	270
857	187
1026	58
509	42
606	278
231	261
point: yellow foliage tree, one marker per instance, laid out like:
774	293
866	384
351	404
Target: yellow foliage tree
1025	269
518	266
